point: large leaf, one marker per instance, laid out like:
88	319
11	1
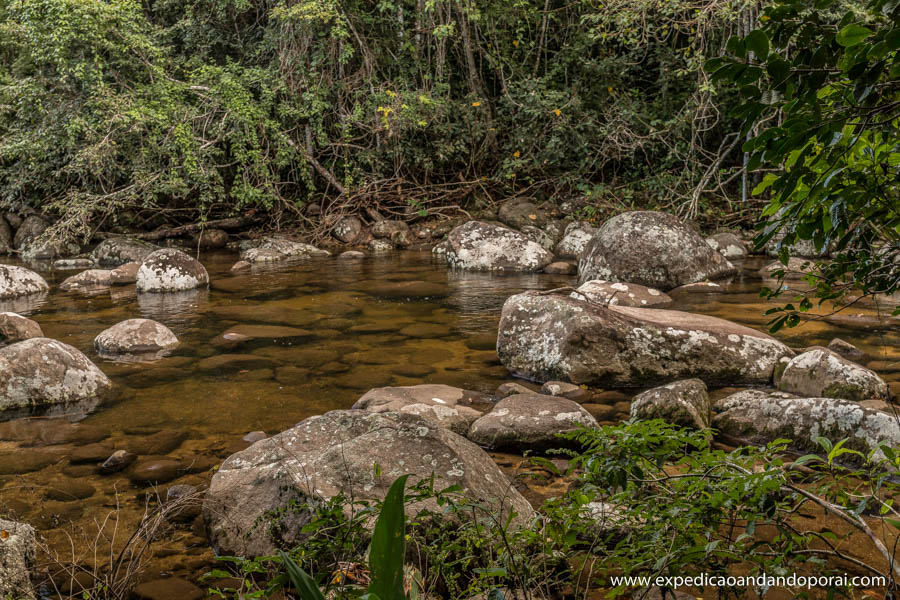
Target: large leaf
388	549
303	583
758	42
852	35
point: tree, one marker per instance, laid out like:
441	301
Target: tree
820	85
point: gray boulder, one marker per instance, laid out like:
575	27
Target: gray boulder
347	229
544	336
442	405
136	337
539	236
821	372
118	251
48	250
388	228
40	373
728	245
529	422
19	281
621	294
848	350
171	270
575	239
333	454
278	249
18	548
30	230
684	403
15	328
518	213
653	249
210	239
86	280
477	246
757	417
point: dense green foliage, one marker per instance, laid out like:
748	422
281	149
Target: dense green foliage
218	106
823	96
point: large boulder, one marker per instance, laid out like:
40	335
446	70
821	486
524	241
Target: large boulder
529	422
39	373
653	249
15	328
171	270
30	230
118	251
443	405
135	337
622	294
278	249
544	336
684	403
18	548
575	239
332	455
19	281
477	246
821	372
758	417
90	279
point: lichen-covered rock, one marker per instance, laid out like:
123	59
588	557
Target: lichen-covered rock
529	422
30	230
15	328
519	212
64	264
443	405
653	249
124	274
90	279
118	251
388	228
171	270
135	336
49	250
39	373
477	246
622	294
821	372
380	246
684	403
756	416
544	336
18	547
539	236
278	249
728	245
19	281
796	269
575	239
333	454
347	229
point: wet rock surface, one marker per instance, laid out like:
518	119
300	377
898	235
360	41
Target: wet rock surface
86	280
136	337
18	281
621	294
171	270
477	246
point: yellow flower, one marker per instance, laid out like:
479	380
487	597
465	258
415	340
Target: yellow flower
557	112
516	43
516	154
476	104
609	89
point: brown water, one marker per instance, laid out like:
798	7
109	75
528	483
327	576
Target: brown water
323	332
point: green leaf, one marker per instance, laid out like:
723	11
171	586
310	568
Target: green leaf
852	35
301	580
388	548
758	42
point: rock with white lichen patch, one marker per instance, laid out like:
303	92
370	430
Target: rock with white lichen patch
90	279
443	405
684	403
18	547
333	454
39	374
171	270
756	416
653	249
16	282
529	422
728	245
622	294
544	336
280	249
119	251
821	372
136	337
477	246
575	239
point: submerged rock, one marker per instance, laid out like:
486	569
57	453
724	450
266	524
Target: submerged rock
39	373
728	245
90	279
553	336
135	336
171	270
15	328
575	239
529	422
653	249
278	249
19	281
621	294
18	547
333	454
443	405
684	403
118	251
759	417
821	372
477	246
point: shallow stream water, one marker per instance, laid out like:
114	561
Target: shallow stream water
322	332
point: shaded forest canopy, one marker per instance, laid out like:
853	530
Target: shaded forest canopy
116	111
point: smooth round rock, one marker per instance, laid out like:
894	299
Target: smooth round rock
171	270
135	336
19	281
